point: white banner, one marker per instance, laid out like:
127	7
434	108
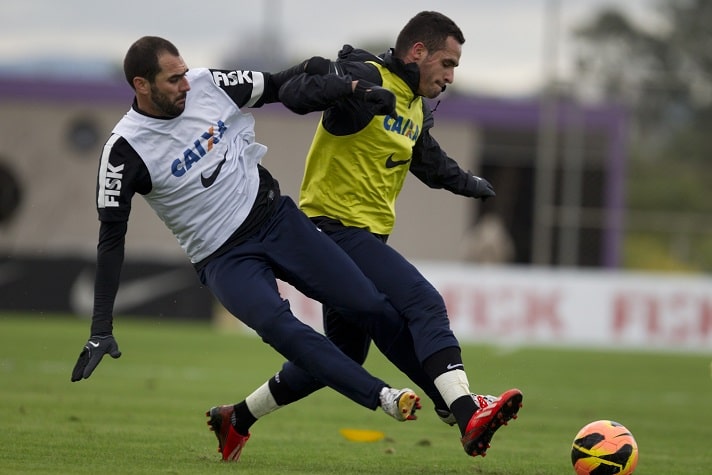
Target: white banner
530	306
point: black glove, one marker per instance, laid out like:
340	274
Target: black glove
379	100
92	353
481	188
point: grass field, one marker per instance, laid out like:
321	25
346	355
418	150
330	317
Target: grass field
144	413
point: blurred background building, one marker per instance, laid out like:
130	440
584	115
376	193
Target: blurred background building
604	167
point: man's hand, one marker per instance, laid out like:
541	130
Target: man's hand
92	353
379	100
481	188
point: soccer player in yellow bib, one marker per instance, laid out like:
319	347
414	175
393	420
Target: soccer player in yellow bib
355	169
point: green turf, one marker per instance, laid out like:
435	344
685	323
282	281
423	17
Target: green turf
144	413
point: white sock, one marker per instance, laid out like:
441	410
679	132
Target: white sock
261	402
452	385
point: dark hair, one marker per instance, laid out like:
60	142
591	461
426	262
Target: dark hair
430	28
142	57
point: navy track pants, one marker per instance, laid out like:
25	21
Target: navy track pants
416	300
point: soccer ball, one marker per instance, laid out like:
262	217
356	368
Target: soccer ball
604	448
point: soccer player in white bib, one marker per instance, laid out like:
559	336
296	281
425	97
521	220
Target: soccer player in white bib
188	147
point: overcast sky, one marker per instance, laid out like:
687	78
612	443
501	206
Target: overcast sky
505	44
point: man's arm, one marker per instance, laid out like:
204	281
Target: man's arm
256	88
308	93
114	195
314	92
109	259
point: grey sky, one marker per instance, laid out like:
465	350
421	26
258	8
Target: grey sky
502	55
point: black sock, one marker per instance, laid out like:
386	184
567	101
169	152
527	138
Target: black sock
242	418
445	360
463	408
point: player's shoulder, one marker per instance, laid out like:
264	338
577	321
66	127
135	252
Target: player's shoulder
118	144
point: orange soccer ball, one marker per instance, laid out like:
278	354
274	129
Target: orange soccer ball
604	448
